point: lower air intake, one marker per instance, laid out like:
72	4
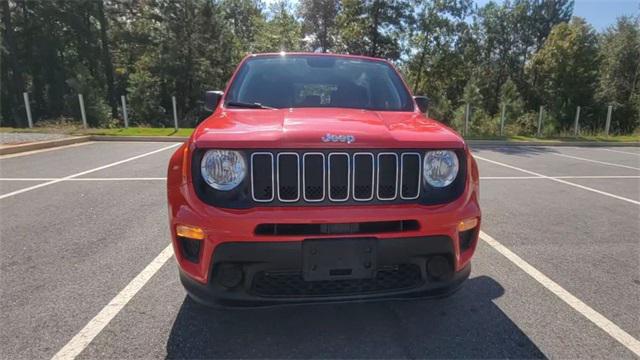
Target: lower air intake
292	284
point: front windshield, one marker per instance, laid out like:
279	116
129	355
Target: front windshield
294	81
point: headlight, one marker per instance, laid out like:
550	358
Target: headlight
440	167
223	169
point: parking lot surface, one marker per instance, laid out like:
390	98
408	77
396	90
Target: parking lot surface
85	268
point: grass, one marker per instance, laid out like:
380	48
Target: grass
594	138
132	131
72	129
141	131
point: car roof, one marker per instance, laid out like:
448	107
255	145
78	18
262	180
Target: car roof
348	56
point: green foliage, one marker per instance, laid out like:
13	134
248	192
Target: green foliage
319	22
518	53
567	69
619	80
372	27
144	90
510	101
280	32
525	124
96	107
442	64
471	94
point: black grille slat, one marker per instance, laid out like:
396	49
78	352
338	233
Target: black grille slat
363	176
288	177
262	176
339	172
368	227
314	176
410	175
387	176
292	284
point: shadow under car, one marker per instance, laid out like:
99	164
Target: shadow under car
465	325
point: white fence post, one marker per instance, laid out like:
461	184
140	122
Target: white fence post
577	122
540	121
175	113
607	125
82	112
27	107
504	109
467	110
124	111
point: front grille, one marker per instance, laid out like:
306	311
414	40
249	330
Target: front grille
292	284
335	177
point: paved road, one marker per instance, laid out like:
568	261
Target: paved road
67	248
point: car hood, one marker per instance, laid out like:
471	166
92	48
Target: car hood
306	128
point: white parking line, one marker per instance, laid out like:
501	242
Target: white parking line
51	182
597	162
558	177
8	156
622	152
85	179
585	310
559	180
83	338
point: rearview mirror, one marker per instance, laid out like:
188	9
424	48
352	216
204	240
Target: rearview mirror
211	100
423	103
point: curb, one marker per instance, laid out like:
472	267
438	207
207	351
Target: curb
14	149
139	138
475	143
494	143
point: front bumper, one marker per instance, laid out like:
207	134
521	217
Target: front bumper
231	237
269	273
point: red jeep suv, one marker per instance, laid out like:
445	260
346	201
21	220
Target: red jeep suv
318	177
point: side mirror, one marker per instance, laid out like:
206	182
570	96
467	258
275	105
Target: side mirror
211	100
423	103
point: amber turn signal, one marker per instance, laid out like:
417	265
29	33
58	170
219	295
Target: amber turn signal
190	232
467	224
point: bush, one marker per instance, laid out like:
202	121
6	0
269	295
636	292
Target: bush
96	108
144	95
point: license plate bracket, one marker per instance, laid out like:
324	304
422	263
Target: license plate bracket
339	259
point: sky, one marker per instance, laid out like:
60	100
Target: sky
599	13
603	13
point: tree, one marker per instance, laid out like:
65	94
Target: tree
11	91
522	53
372	27
511	100
567	67
246	18
509	33
144	87
280	32
439	31
472	94
545	15
619	73
319	22
106	57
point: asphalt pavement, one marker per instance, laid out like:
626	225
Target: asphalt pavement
80	227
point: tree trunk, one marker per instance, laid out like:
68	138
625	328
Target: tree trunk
106	59
374	30
416	82
17	72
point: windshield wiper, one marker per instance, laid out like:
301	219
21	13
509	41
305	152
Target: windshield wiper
248	105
